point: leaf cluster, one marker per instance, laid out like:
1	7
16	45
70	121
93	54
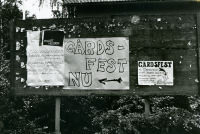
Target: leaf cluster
169	115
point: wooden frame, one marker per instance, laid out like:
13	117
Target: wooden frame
198	45
154	38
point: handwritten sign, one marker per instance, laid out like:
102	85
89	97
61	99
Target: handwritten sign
155	72
45	61
96	63
78	63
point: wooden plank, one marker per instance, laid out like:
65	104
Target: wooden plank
57	116
12	56
138	90
198	41
147	114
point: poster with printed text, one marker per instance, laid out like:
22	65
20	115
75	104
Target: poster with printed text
155	73
96	63
45	58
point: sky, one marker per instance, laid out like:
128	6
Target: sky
43	12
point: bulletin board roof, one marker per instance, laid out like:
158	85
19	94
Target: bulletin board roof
116	1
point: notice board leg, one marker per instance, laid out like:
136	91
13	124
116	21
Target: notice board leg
57	116
198	41
147	114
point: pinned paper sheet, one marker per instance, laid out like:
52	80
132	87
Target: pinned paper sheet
45	63
155	73
77	63
96	63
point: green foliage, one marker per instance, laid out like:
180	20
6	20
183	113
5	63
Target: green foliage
12	113
169	115
77	113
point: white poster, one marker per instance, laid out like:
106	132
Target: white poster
77	63
155	72
96	63
45	58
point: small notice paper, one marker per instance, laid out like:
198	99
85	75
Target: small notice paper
155	72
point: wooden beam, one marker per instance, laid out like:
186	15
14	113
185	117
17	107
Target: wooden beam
147	114
12	58
57	116
147	108
198	46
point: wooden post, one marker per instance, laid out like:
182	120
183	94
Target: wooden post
198	46
147	113
12	56
57	116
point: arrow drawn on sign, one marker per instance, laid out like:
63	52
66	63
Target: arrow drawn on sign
103	81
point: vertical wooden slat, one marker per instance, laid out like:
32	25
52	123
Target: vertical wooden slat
198	45
12	58
147	108
147	113
57	116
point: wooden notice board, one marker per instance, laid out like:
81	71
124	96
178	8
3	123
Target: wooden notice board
172	38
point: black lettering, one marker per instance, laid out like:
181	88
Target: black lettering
86	79
74	79
144	64
100	47
101	64
111	67
140	64
148	64
161	64
169	64
165	65
79	48
109	50
156	64
89	48
90	61
122	62
69	47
